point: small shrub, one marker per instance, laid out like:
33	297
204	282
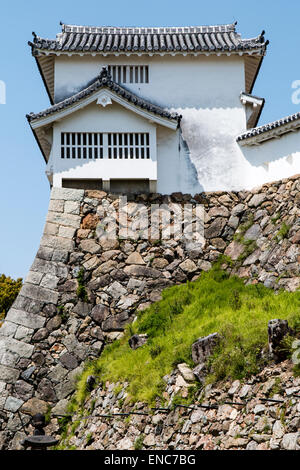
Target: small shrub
81	290
139	442
62	313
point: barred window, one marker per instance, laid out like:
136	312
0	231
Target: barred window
87	145
96	145
129	73
128	145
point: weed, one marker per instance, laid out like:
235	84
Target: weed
282	233
275	218
81	290
139	442
239	235
89	438
276	389
62	313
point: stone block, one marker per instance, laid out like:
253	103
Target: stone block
49	281
60	256
8	374
56	205
9	358
72	207
186	372
68	220
66	232
61	243
51	228
115	322
19	347
8	328
34	278
41	294
34	406
29	320
45	253
23	333
142	271
50	267
66	194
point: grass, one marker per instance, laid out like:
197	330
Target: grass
283	232
213	303
139	442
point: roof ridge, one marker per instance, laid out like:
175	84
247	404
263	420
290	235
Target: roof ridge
230	27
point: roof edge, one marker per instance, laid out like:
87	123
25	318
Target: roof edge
269	131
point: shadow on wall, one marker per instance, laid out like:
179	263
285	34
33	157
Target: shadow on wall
192	184
210	135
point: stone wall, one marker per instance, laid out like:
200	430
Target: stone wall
81	289
233	416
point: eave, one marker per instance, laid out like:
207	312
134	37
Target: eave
267	132
257	105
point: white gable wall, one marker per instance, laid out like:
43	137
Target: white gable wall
167	164
95	118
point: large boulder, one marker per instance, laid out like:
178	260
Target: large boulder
277	330
203	348
136	341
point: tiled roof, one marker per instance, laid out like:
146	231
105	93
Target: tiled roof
222	38
279	124
105	80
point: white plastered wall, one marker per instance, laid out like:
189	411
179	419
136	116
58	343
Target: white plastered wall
271	160
163	167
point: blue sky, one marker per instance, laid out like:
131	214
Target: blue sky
24	189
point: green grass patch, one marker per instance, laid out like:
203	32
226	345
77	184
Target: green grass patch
282	233
213	303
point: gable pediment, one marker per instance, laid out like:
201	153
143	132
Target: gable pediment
104	91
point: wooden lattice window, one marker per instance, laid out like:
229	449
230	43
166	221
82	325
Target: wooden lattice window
129	73
86	145
96	145
129	145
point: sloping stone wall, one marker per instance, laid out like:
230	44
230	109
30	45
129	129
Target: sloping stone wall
81	289
234	416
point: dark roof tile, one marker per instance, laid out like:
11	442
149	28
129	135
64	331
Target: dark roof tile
105	39
257	131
